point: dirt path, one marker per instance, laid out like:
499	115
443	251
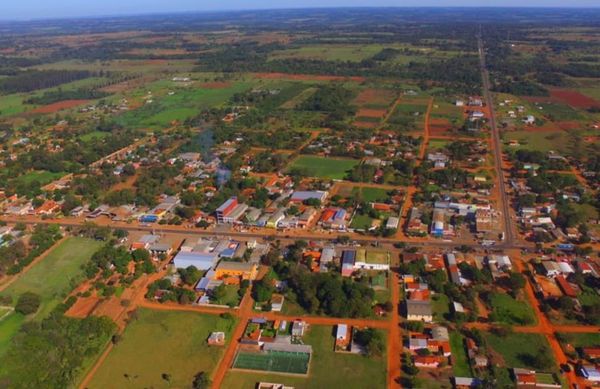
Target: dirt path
426	132
12	279
88	378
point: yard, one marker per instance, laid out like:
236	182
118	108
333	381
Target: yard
440	306
161	342
327	368
460	360
333	168
519	349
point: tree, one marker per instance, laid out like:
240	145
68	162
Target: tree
28	303
201	381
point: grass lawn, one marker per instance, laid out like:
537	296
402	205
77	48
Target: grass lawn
333	168
581	340
461	365
327	368
374	194
8	328
440	306
163	342
56	275
361	222
517	348
231	297
344	52
43	177
506	309
543	141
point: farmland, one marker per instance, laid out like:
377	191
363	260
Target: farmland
181	339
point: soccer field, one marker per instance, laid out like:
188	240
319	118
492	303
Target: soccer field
277	361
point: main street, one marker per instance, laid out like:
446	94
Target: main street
504	200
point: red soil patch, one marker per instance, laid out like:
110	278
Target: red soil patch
371	113
59	106
83	307
569	125
574	98
438	127
304	77
374	96
591	139
216	85
366	124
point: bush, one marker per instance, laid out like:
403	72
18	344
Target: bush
28	303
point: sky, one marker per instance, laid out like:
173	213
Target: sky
40	9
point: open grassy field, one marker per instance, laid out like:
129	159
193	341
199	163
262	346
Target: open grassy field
43	177
460	360
543	141
343	52
506	309
327	369
361	222
9	326
581	340
517	348
161	342
333	168
440	305
55	276
183	104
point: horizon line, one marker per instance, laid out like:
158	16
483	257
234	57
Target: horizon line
226	10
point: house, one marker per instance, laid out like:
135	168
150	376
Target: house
277	302
269	385
529	120
392	223
216	339
590	373
524	377
348	260
427	361
565	286
466	382
342	338
243	270
419	311
47	208
550	268
298	328
439	159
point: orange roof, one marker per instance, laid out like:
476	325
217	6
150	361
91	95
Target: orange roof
381	206
426	359
526	378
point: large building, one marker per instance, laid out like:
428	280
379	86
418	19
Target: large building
243	270
230	211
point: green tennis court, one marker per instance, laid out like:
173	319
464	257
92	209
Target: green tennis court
277	361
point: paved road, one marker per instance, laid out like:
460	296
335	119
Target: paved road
497	144
263	234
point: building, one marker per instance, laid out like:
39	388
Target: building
269	385
392	223
201	261
348	260
301	196
298	328
372	260
427	361
243	270
230	211
216	339
418	310
342	338
277	302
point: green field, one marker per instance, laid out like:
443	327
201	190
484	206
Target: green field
43	177
373	195
162	342
327	368
56	275
344	52
517	348
332	168
183	104
581	340
543	141
506	309
8	328
460	367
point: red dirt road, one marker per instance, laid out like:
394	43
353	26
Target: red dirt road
61	105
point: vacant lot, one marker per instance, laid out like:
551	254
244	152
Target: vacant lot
333	168
506	309
511	348
162	342
327	368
